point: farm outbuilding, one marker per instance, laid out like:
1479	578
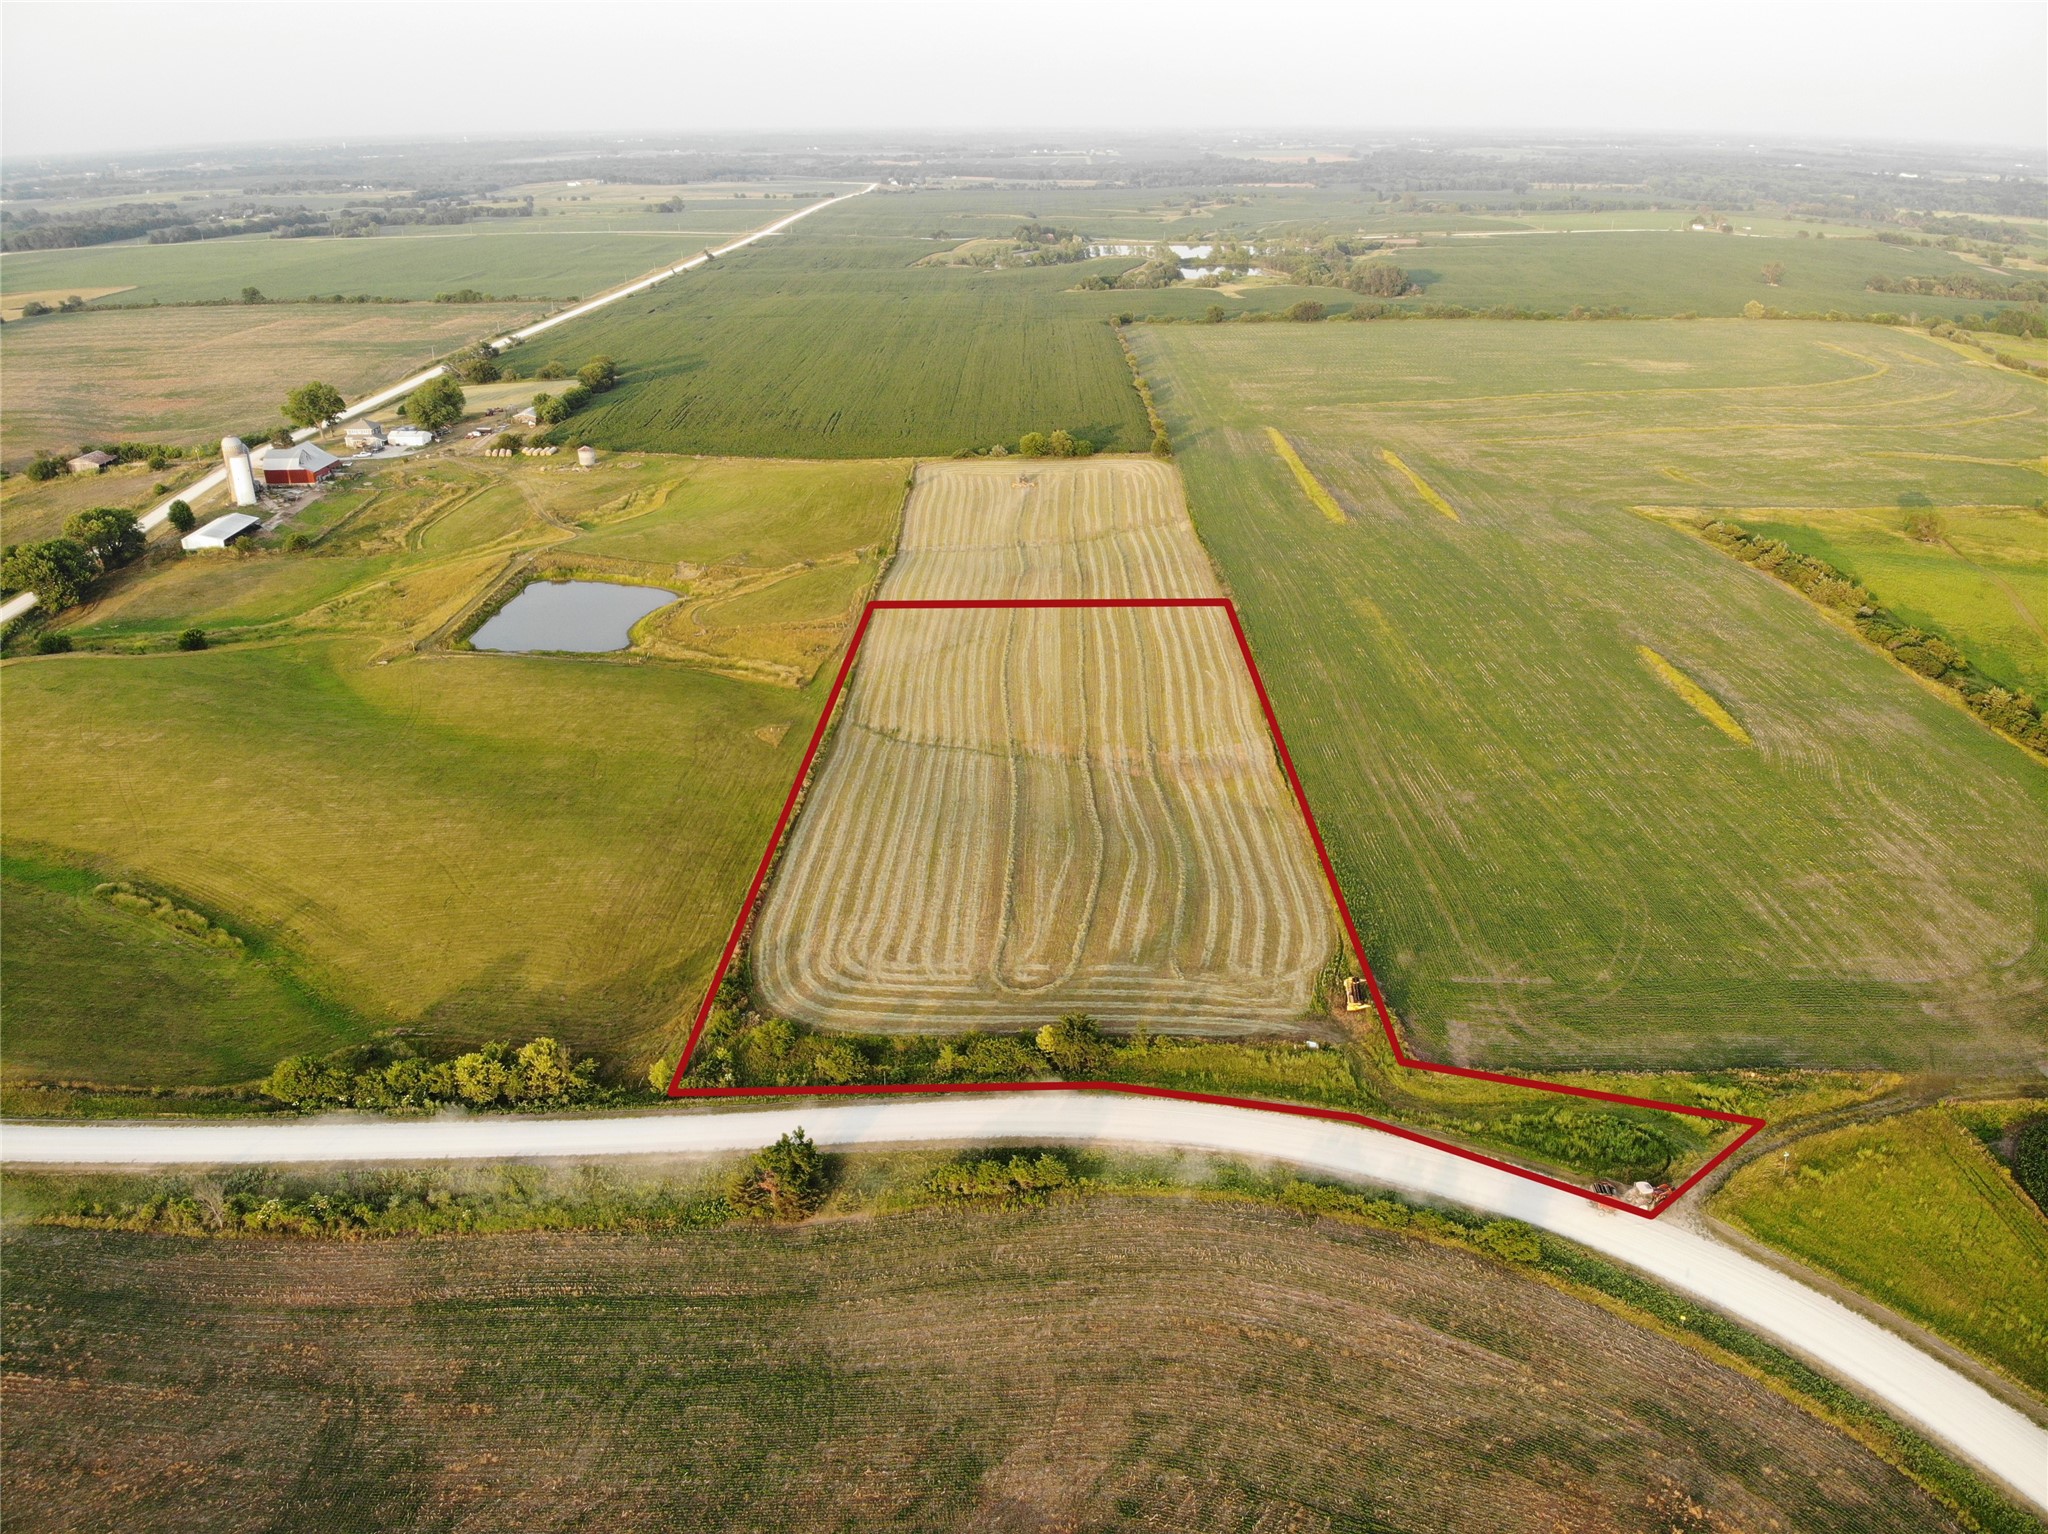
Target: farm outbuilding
300	464
93	462
364	435
412	436
221	531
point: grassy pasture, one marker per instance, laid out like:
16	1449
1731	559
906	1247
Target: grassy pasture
1555	859
1916	1211
471	844
1106	1363
1984	583
194	375
29	510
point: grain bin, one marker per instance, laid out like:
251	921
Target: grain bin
586	457
241	472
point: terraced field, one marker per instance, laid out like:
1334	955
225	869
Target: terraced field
1033	812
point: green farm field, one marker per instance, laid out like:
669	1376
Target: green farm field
572	254
1099	1363
1555	857
470	844
191	376
1918	1212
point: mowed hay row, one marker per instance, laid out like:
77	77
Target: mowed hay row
1041	528
1029	812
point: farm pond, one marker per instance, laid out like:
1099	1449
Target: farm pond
586	616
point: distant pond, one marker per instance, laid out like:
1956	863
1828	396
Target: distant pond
587	616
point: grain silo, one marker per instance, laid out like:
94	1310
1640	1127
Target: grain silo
586	457
241	472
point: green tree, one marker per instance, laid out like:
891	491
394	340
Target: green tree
484	1076
253	296
598	374
785	1181
1161	448
556	408
1032	444
110	533
1306	311
1074	1044
71	305
306	1081
1214	315
478	365
192	639
180	516
57	570
313	404
546	1072
53	644
1774	272
1753	310
1060	444
551	370
34	308
436	403
282	437
47	466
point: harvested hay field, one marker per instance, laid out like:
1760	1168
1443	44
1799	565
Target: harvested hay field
1147	1363
1028	813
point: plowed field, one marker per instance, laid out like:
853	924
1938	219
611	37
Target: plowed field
1033	812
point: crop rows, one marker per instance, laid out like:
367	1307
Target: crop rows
1034	812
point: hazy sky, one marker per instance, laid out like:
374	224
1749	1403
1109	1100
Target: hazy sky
88	77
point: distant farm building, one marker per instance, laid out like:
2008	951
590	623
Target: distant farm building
300	464
412	436
221	531
92	463
528	417
364	436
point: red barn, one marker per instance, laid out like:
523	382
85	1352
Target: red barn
303	464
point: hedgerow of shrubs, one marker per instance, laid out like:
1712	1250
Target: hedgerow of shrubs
2008	710
389	1074
141	902
2030	1158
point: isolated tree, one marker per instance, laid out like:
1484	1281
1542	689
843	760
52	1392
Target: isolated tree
192	639
1074	1044
179	515
313	404
1214	315
434	404
786	1181
253	296
1774	272
598	374
57	570
1753	310
109	533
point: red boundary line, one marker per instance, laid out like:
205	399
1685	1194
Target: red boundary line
676	1089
